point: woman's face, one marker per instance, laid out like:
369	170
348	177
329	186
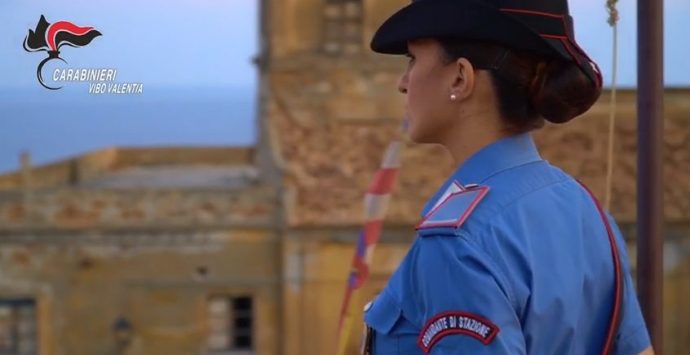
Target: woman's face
428	83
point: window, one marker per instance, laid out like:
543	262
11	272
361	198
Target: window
230	322
342	26
18	327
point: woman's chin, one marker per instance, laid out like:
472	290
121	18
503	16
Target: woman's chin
411	134
417	136
419	133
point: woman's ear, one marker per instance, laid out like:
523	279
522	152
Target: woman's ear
463	79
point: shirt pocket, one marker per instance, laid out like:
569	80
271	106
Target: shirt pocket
383	313
393	334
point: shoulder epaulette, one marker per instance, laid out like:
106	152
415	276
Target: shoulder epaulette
454	210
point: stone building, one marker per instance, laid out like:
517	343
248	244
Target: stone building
167	246
229	250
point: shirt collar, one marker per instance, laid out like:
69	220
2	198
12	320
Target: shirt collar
498	156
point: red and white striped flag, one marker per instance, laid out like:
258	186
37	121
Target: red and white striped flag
375	207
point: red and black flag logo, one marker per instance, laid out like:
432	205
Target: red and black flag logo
50	37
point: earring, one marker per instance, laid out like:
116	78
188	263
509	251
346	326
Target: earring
453	97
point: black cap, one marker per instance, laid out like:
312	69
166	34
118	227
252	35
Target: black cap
539	26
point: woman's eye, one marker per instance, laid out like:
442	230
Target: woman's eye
410	57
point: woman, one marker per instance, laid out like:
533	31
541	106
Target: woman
512	256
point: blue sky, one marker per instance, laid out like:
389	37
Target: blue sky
158	42
194	59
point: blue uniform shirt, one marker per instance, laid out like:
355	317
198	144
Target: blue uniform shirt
528	271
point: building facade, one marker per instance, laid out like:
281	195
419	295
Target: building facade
246	250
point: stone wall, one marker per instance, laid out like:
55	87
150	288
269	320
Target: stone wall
131	208
94	164
580	148
160	281
331	125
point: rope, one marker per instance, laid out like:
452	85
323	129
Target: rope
613	22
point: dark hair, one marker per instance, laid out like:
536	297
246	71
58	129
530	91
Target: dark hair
530	87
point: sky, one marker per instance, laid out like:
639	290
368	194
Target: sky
194	61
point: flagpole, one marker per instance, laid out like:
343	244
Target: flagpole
650	207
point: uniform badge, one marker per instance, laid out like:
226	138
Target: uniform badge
462	323
455	209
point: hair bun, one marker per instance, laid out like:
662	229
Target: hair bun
560	91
